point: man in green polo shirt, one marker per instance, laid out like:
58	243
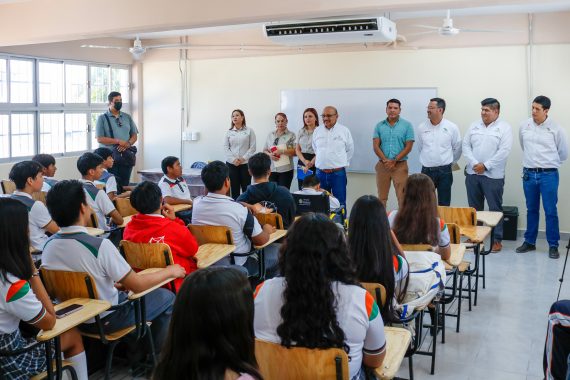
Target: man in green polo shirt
117	130
393	140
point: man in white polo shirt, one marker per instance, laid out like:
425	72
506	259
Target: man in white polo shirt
486	147
334	147
439	143
217	209
544	149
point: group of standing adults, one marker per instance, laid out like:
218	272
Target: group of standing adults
325	152
486	147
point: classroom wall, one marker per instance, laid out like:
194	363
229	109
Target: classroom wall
463	77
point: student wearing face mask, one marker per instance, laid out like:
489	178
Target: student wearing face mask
117	131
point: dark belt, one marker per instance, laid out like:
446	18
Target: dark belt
448	166
328	171
541	170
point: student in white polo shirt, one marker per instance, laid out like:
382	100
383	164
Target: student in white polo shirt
90	165
107	178
217	209
48	162
174	188
73	249
312	186
28	177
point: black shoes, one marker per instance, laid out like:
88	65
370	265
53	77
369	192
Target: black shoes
526	247
553	252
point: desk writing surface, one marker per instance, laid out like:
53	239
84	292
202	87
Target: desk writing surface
94	231
457	253
126	220
397	343
133	296
476	233
211	253
181	207
278	234
90	309
490	218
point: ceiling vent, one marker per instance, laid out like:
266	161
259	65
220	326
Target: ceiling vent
336	31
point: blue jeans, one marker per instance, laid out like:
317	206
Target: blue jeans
535	185
442	178
335	183
481	188
158	306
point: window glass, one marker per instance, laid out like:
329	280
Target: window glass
94	117
3	82
21	81
22	134
75	83
52	133
75	132
51	82
99	84
120	82
4	136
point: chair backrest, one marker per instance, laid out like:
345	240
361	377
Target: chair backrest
378	291
277	362
211	234
463	216
312	203
273	219
146	255
39	196
454	233
65	285
92	220
8	187
124	207
417	247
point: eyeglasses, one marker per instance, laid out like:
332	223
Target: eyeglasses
328	115
276	141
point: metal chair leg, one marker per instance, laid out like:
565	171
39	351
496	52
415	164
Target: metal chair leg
109	362
469	290
411	364
459	300
443	323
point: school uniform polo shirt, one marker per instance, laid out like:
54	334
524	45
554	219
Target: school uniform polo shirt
334	204
49	182
99	201
39	218
109	181
73	249
176	188
18	303
220	210
393	138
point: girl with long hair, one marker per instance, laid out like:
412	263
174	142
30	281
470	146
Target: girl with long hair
211	331
317	303
417	221
304	147
280	146
374	251
239	145
24	298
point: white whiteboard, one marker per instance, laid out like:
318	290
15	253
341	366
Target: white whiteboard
360	110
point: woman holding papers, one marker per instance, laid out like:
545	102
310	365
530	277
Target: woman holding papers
280	147
304	148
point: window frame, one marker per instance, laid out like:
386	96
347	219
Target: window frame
37	108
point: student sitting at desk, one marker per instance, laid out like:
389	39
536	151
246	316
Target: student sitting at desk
276	197
90	165
157	223
28	177
49	169
23	298
174	188
73	249
312	186
217	209
107	179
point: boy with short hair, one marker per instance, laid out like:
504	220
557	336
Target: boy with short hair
217	209
28	177
156	223
278	197
312	186
107	179
49	169
90	165
73	249
174	188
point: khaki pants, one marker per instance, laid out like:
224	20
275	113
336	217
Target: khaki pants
399	174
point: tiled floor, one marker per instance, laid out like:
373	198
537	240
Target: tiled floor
502	338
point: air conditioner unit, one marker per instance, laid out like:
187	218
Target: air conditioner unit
334	31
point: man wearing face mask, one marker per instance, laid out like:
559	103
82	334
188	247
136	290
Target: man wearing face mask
117	131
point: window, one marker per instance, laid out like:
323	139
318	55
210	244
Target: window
52	106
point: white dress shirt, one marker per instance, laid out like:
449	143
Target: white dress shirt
438	145
239	143
490	145
544	145
334	147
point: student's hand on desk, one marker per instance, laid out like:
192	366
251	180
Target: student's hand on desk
168	211
176	271
269	228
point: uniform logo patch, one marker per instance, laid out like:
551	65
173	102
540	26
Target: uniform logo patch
17	290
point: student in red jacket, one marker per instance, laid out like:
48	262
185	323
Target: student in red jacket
156	223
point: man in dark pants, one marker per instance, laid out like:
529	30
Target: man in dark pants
486	147
439	143
116	129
